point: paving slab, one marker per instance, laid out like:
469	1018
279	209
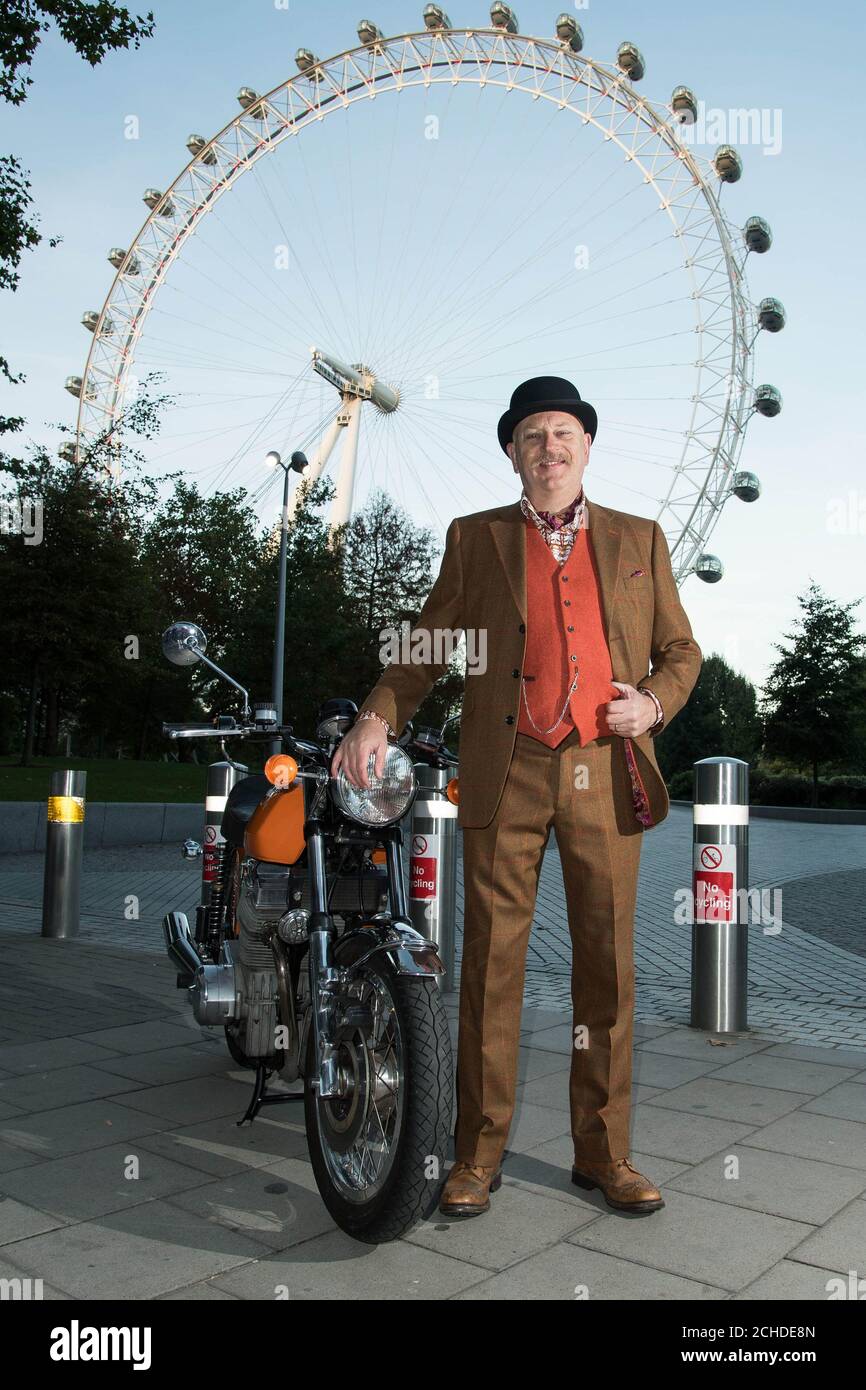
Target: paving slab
730	1100
840	1243
336	1267
261	1204
710	1242
219	1148
135	1254
80	1186
564	1272
75	1128
791	1282
780	1184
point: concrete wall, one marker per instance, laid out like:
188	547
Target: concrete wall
106	823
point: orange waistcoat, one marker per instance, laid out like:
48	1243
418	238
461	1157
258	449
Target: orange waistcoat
564	621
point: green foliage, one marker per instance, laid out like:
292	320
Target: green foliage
720	719
815	694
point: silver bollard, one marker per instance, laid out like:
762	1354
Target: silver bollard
433	864
64	843
720	895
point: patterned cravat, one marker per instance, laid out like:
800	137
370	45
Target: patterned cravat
558	530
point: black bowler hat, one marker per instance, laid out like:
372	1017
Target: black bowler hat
542	393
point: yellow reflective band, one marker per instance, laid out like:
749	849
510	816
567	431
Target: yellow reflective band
69	810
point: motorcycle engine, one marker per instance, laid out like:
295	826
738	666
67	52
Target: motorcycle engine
275	899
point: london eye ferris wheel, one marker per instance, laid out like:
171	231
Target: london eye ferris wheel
416	224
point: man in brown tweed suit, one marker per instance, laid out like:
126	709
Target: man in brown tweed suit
577	603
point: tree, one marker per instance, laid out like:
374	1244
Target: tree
815	693
93	30
720	719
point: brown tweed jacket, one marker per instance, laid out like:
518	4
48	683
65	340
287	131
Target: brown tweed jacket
482	586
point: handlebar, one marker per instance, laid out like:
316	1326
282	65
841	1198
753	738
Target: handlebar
226	726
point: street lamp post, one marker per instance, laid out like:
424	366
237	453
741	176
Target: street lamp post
297	463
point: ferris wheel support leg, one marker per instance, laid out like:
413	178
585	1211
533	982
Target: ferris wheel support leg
317	465
341	508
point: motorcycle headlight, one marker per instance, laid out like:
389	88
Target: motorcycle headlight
386	799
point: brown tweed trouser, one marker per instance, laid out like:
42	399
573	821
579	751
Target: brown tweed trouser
585	795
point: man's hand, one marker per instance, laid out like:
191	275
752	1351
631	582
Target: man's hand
365	737
632	713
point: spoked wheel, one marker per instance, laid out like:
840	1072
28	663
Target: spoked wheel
377	1149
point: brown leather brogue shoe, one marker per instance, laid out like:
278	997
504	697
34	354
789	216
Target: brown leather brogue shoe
467	1189
624	1188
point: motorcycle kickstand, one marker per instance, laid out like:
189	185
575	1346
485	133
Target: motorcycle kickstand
260	1096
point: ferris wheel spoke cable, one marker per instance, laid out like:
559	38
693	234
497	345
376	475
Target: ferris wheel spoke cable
539	253
469	164
454	450
296	260
226	289
475	354
555	287
321	241
379	327
490	255
212	330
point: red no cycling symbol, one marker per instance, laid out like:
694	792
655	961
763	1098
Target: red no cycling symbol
711	857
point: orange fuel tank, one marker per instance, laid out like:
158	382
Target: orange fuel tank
275	831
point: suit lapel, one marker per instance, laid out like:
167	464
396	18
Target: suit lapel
605	536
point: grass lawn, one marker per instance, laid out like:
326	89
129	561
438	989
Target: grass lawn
110	779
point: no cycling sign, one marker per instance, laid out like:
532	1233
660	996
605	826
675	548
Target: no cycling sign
715	883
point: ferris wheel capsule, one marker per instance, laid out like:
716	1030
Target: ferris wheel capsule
121	260
153	198
709	568
569	32
503	17
436	18
757	235
308	63
768	401
771	315
746	486
368	32
629	60
727	164
684	105
91	322
197	146
250	102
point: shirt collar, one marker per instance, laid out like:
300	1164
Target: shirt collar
572	515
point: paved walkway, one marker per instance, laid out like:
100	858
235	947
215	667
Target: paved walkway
123	1173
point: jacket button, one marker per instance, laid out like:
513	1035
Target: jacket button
571	627
509	718
522	627
515	673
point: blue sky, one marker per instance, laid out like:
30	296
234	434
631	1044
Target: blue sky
88	181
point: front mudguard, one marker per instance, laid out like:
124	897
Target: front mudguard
408	951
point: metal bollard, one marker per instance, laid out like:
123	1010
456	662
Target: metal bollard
720	889
433	864
61	892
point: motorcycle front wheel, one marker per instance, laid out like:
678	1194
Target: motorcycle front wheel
378	1148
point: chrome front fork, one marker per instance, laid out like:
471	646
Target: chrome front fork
325	978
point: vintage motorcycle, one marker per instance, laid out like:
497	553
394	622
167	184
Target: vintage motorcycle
305	953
